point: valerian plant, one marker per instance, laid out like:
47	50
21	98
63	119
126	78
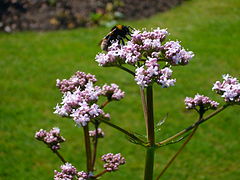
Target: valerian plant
149	58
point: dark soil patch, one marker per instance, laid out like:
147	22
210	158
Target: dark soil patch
62	14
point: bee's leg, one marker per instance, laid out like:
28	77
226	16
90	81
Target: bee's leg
127	38
131	28
122	41
130	31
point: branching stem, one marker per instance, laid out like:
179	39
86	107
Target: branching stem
88	148
60	156
144	105
127	70
192	126
149	162
129	134
100	174
95	143
104	104
181	148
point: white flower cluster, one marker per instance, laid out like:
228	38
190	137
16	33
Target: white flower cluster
153	73
229	89
52	138
80	102
201	101
69	172
144	51
113	161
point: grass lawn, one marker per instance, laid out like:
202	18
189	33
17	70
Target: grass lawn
30	62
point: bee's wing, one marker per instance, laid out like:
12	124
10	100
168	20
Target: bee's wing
100	42
106	37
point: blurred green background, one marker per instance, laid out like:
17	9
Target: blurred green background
30	63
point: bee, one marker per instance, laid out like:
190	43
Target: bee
118	32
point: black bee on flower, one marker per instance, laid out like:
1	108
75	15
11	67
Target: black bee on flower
117	33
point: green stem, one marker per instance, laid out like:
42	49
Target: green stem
127	70
192	126
177	153
150	118
60	156
104	104
100	174
123	131
149	162
182	147
88	148
95	145
144	105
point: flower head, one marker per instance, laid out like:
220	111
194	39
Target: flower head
85	113
112	162
69	172
151	72
145	51
201	101
82	175
229	89
176	54
112	92
78	80
51	138
99	133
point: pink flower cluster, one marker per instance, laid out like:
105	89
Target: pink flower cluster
112	162
229	89
82	175
176	54
78	80
145	75
51	138
80	102
69	172
143	44
112	92
84	113
99	133
200	101
144	51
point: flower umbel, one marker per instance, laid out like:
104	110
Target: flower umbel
229	89
112	92
80	97
203	102
112	162
69	172
153	73
145	51
176	54
51	138
99	134
78	80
